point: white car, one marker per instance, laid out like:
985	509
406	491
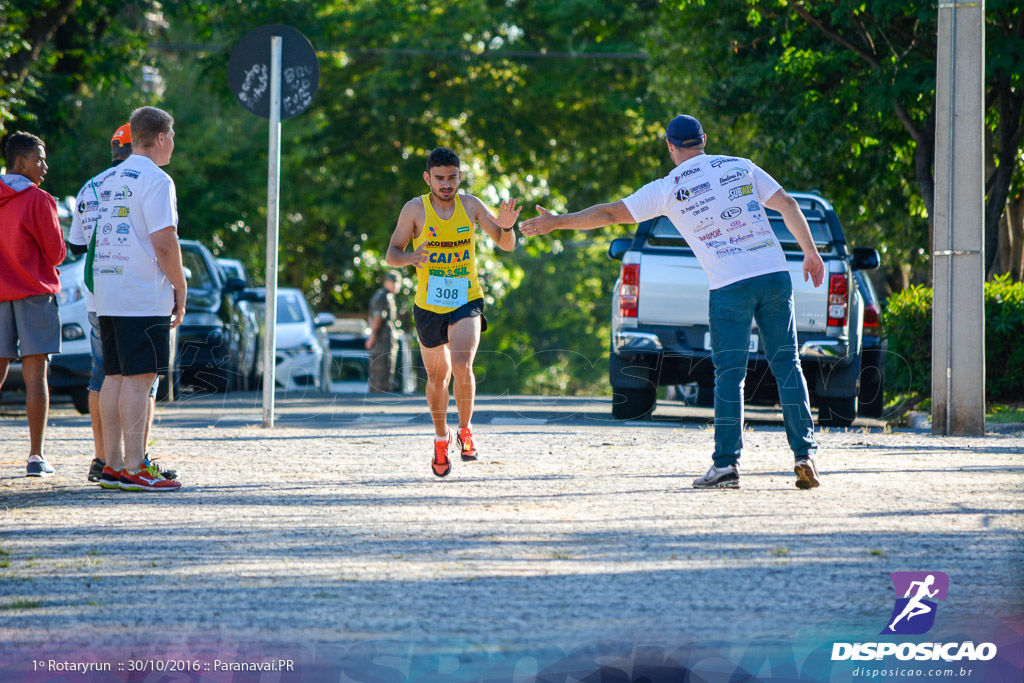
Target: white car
303	360
69	370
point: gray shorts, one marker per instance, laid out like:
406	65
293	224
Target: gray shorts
29	326
96	380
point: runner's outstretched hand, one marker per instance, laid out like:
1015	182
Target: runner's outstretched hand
541	225
509	213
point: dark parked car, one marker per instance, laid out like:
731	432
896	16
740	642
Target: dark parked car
218	339
873	347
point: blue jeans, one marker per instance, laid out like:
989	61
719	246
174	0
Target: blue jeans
767	299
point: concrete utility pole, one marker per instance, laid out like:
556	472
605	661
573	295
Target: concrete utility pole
958	313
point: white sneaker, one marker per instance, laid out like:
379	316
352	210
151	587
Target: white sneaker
727	477
38	467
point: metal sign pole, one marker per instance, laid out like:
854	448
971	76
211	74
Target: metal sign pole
273	217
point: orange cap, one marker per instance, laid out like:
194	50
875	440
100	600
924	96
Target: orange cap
122	137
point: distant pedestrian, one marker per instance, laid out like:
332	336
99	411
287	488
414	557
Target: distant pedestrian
83	225
140	294
717	204
383	341
31	248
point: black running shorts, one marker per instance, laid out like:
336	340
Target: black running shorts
432	328
135	345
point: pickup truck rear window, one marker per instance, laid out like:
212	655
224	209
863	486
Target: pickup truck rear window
664	234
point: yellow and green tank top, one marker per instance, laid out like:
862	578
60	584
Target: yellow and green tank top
452	247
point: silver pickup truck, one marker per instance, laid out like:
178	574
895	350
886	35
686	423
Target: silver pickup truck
660	334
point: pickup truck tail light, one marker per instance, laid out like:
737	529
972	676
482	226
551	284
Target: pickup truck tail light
629	290
838	299
872	320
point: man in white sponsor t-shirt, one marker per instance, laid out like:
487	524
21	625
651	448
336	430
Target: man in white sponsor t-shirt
139	292
717	205
83	225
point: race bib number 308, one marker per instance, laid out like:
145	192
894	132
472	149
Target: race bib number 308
447	292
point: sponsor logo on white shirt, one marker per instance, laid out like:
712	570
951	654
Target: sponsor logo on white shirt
695	172
732	175
741	191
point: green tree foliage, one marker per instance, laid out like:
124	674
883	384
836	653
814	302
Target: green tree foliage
839	96
56	53
545	102
907	322
908	325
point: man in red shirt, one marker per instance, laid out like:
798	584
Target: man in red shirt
31	247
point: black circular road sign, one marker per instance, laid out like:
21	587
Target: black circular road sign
249	71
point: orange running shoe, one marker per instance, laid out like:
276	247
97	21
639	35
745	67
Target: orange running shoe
465	441
147	479
441	464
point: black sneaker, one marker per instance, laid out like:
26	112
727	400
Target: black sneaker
806	474
96	469
727	477
166	474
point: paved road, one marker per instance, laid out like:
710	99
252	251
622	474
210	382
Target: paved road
331	526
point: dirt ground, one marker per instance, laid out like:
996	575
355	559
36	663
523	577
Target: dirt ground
331	526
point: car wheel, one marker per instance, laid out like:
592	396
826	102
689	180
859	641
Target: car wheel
872	391
692	394
836	412
80	397
872	403
325	377
218	380
634	404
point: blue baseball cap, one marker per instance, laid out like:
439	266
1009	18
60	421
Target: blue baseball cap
684	131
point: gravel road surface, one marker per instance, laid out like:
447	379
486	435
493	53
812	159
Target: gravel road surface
331	526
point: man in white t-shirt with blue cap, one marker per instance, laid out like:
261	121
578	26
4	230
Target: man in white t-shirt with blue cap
716	203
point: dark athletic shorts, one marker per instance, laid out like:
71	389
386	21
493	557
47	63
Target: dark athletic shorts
432	328
135	346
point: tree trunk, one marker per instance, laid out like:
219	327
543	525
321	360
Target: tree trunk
1015	223
1001	264
17	63
1001	257
995	205
924	169
997	189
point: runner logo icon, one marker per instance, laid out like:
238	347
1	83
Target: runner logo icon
914	611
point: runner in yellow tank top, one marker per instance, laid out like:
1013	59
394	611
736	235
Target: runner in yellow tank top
450	280
449	301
